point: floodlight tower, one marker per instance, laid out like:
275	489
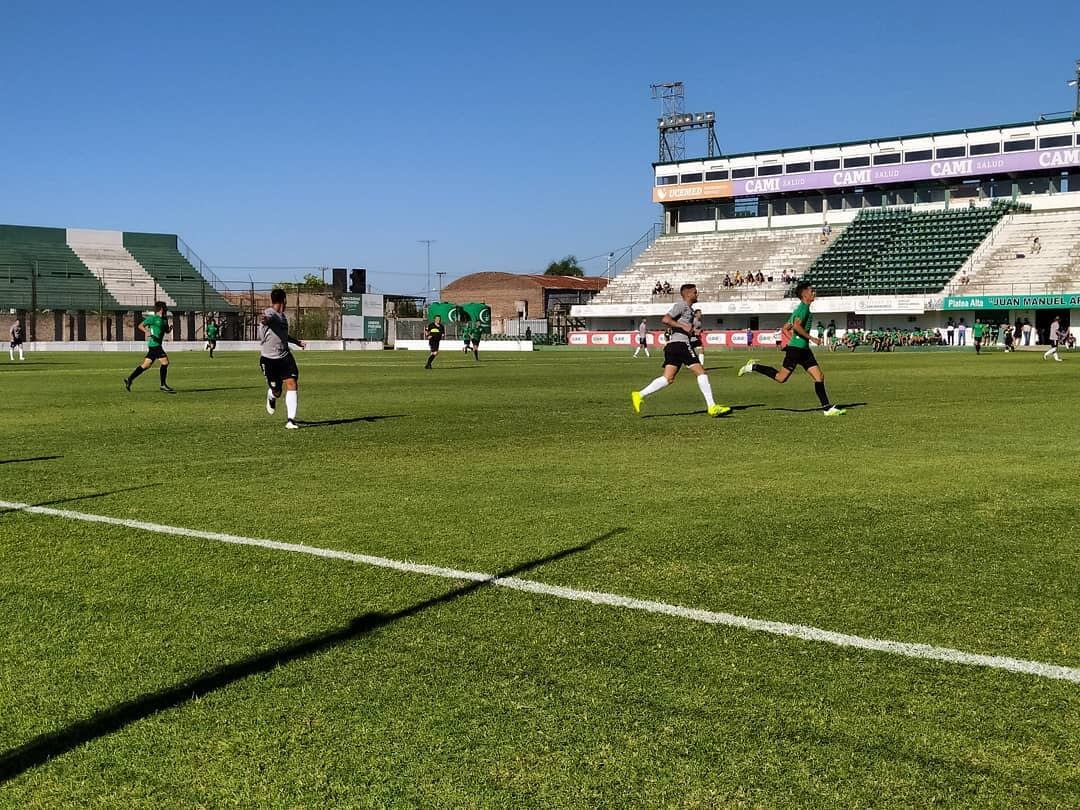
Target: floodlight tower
672	97
675	122
1076	83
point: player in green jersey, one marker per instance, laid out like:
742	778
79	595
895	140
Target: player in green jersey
797	353
978	331
156	326
211	337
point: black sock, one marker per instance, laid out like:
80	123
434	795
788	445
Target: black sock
138	370
819	389
430	360
768	371
164	372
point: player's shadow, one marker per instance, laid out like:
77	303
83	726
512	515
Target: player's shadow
847	407
349	421
702	412
24	460
56	501
221	388
40	750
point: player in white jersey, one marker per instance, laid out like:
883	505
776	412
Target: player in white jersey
677	353
642	338
1056	335
276	358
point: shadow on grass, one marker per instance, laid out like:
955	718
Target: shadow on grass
24	460
40	750
84	497
222	388
349	421
847	407
703	412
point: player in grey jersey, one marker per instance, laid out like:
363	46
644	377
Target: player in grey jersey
276	358
1056	336
16	332
677	353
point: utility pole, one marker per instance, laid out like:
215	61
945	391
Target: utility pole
440	274
1076	83
427	288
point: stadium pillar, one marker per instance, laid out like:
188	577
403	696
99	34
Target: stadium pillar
58	324
140	335
120	325
191	326
108	326
176	325
80	324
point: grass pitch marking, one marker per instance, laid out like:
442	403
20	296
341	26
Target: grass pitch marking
926	652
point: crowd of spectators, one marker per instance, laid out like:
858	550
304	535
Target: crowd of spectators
749	280
663	288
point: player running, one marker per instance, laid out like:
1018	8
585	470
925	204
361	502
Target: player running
466	338
1056	335
642	338
435	332
797	353
16	340
156	327
476	342
211	337
677	353
276	358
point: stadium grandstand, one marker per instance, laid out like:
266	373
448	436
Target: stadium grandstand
104	278
905	231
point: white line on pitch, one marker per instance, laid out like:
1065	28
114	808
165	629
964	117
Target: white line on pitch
800	631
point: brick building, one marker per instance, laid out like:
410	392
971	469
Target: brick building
515	297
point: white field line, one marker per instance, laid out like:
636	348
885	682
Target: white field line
799	631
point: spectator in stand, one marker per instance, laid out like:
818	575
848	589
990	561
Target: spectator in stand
1036	247
826	232
1027	332
727	280
667	288
657	288
738	278
760	277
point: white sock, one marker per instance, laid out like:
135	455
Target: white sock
290	404
647	353
270	393
701	357
11	353
636	352
21	357
656	385
706	389
1048	353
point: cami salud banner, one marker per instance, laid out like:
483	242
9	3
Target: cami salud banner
1041	159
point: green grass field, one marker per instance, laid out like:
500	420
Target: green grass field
139	669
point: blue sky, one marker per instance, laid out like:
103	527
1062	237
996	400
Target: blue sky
339	134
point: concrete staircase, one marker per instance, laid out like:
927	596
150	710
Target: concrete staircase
1006	265
704	259
126	280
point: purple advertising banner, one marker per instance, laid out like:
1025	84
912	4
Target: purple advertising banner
1046	159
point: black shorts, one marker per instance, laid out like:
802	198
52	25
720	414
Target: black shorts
795	356
475	343
16	342
433	345
695	343
212	344
277	370
679	354
642	342
156	353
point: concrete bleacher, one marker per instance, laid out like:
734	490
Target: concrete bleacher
38	269
706	258
160	256
1007	265
103	252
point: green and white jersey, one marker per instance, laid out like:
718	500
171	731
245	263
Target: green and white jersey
155	328
801	314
